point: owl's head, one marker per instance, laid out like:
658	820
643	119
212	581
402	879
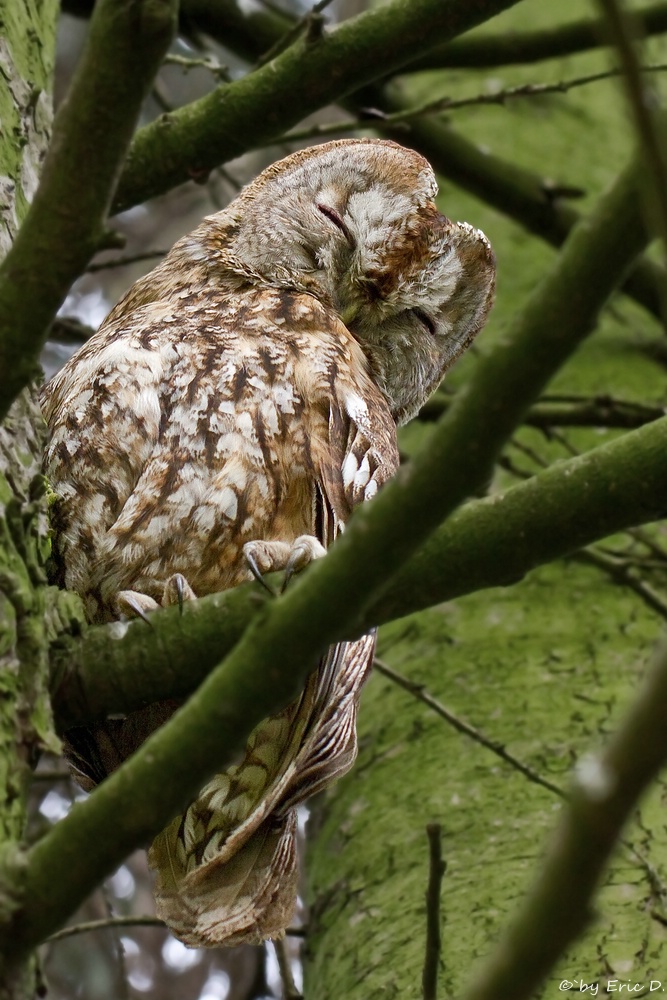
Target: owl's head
354	222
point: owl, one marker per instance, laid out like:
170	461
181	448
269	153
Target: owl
225	420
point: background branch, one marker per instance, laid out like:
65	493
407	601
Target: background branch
533	46
310	74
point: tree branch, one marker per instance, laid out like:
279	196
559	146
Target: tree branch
606	790
92	130
595	411
310	74
532	46
441	105
650	130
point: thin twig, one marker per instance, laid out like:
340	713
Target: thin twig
107	922
568	411
208	62
622	574
290	991
444	104
436	870
418	691
118	943
125	261
293	33
529	452
52	774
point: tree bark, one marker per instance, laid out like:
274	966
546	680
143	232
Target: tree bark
26	59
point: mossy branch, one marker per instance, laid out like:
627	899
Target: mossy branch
487	543
533	46
606	790
261	106
126	42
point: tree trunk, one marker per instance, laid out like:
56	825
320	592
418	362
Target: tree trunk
26	59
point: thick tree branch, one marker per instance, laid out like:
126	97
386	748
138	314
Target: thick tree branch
605	793
252	111
92	130
533	46
487	543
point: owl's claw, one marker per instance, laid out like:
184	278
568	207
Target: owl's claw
176	591
304	549
270	556
253	566
132	604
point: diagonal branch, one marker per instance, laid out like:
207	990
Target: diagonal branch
310	74
533	46
126	42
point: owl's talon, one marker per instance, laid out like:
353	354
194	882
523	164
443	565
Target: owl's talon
251	561
176	591
302	552
132	604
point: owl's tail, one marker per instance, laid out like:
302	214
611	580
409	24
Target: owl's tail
227	869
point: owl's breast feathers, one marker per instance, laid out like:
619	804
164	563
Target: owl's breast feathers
189	426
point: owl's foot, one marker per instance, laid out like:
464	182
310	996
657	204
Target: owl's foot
176	591
269	557
132	604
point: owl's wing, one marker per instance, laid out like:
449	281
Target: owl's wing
210	887
103	413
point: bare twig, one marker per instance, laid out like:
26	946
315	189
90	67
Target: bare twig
52	774
442	104
107	922
568	411
642	101
125	261
208	62
621	573
293	33
436	871
418	691
290	991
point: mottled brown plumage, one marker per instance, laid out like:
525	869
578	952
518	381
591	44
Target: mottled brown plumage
234	407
